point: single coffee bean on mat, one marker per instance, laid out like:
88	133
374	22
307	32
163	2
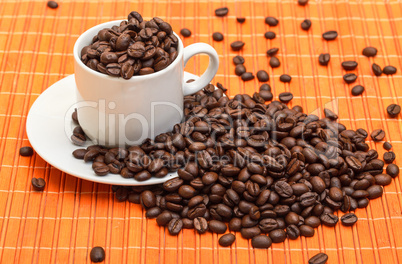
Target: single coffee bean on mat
330	35
185	32
241	20
349	65
369	51
52	4
285	78
271	21
217	36
262	76
389	70
349	78
38	184
220	12
306	24
393	110
26	151
320	258
269	35
357	90
274	62
324	59
227	240
238	60
97	254
376	69
237	45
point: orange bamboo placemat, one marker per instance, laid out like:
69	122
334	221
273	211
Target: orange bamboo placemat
62	223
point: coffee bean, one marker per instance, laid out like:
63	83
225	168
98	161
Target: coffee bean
217	226
26	151
369	51
302	2
220	12
247	76
217	36
97	254
52	4
377	135
389	157
38	184
320	258
164	218
349	65
383	179
185	32
240	69
262	76
357	90
201	225
330	35
227	240
376	69
237	45
374	191
271	21
241	20
274	62
277	235
285	97
272	51
387	146
261	241
349	78
238	60
285	78
270	35
329	219
392	170
348	219
324	58
174	226
389	70
393	110
329	114
292	231
306	24
306	231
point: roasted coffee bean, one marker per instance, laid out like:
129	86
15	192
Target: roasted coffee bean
306	231
349	65
97	254
277	235
241	20
174	226
302	2
387	146
237	45
247	76
374	191
393	110
285	78
389	70
238	60
271	21
266	95
261	241
185	32
227	240
312	221
369	51
250	232
101	170
348	219
320	258
285	97
306	24
349	78
324	59
26	151
79	153
38	184
272	51
52	4
274	62
377	135
376	69
217	36
329	219
269	35
392	170
164	218
292	231
220	12
201	225
357	90
330	35
217	226
240	69
262	76
389	157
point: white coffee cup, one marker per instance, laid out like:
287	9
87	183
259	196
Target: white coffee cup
114	111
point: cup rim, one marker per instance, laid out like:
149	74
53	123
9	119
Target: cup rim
94	30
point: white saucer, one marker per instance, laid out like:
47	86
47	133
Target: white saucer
49	128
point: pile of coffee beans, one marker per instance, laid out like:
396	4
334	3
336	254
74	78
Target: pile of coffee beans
135	47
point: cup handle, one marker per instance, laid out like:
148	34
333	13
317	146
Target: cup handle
209	74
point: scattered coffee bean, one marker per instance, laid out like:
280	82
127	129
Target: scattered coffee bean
389	70
26	151
266	95
238	60
237	45
302	2
217	226
369	51
393	110
97	254
392	170
285	78
240	69
52	4
306	24
272	51
201	225
324	58
269	35
174	226
376	69
285	97
220	12
377	135
357	90
389	157
262	76
241	20
348	219
274	62
185	32
383	179
330	35
277	235
349	65
38	184
265	87
320	258
374	191
261	241
306	231
387	146
329	219
271	21
349	78
217	36
247	76
227	240
330	114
